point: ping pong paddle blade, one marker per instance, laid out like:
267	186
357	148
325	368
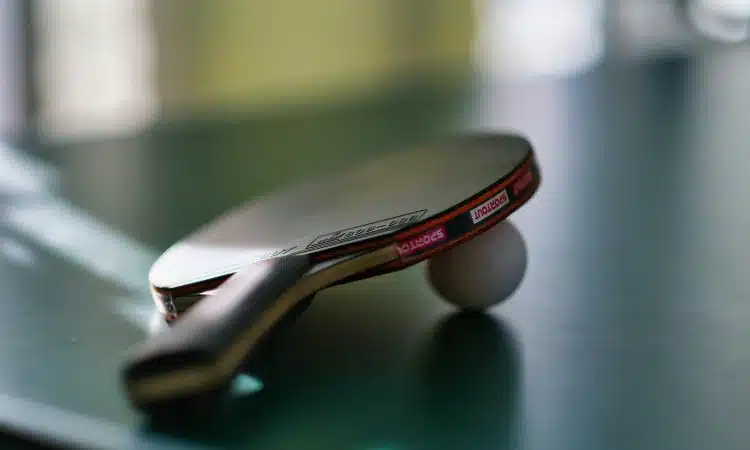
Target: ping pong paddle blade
201	340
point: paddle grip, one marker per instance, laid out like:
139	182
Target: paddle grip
206	347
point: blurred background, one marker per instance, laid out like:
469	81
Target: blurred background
125	124
88	69
152	102
155	116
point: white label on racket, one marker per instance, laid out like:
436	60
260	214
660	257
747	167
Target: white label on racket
489	207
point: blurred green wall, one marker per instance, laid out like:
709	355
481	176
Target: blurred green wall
255	54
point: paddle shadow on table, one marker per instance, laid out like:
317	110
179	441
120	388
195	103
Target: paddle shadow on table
457	388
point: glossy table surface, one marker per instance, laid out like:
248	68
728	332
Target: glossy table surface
629	330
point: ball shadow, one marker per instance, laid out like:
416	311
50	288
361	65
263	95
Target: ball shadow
470	379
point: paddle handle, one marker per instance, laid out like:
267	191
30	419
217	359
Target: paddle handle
204	349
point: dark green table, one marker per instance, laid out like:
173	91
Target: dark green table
630	330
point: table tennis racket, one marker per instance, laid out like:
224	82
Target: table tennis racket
266	258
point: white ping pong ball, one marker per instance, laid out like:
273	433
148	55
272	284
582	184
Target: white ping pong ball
482	272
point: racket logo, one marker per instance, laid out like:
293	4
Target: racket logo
362	231
489	207
422	241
